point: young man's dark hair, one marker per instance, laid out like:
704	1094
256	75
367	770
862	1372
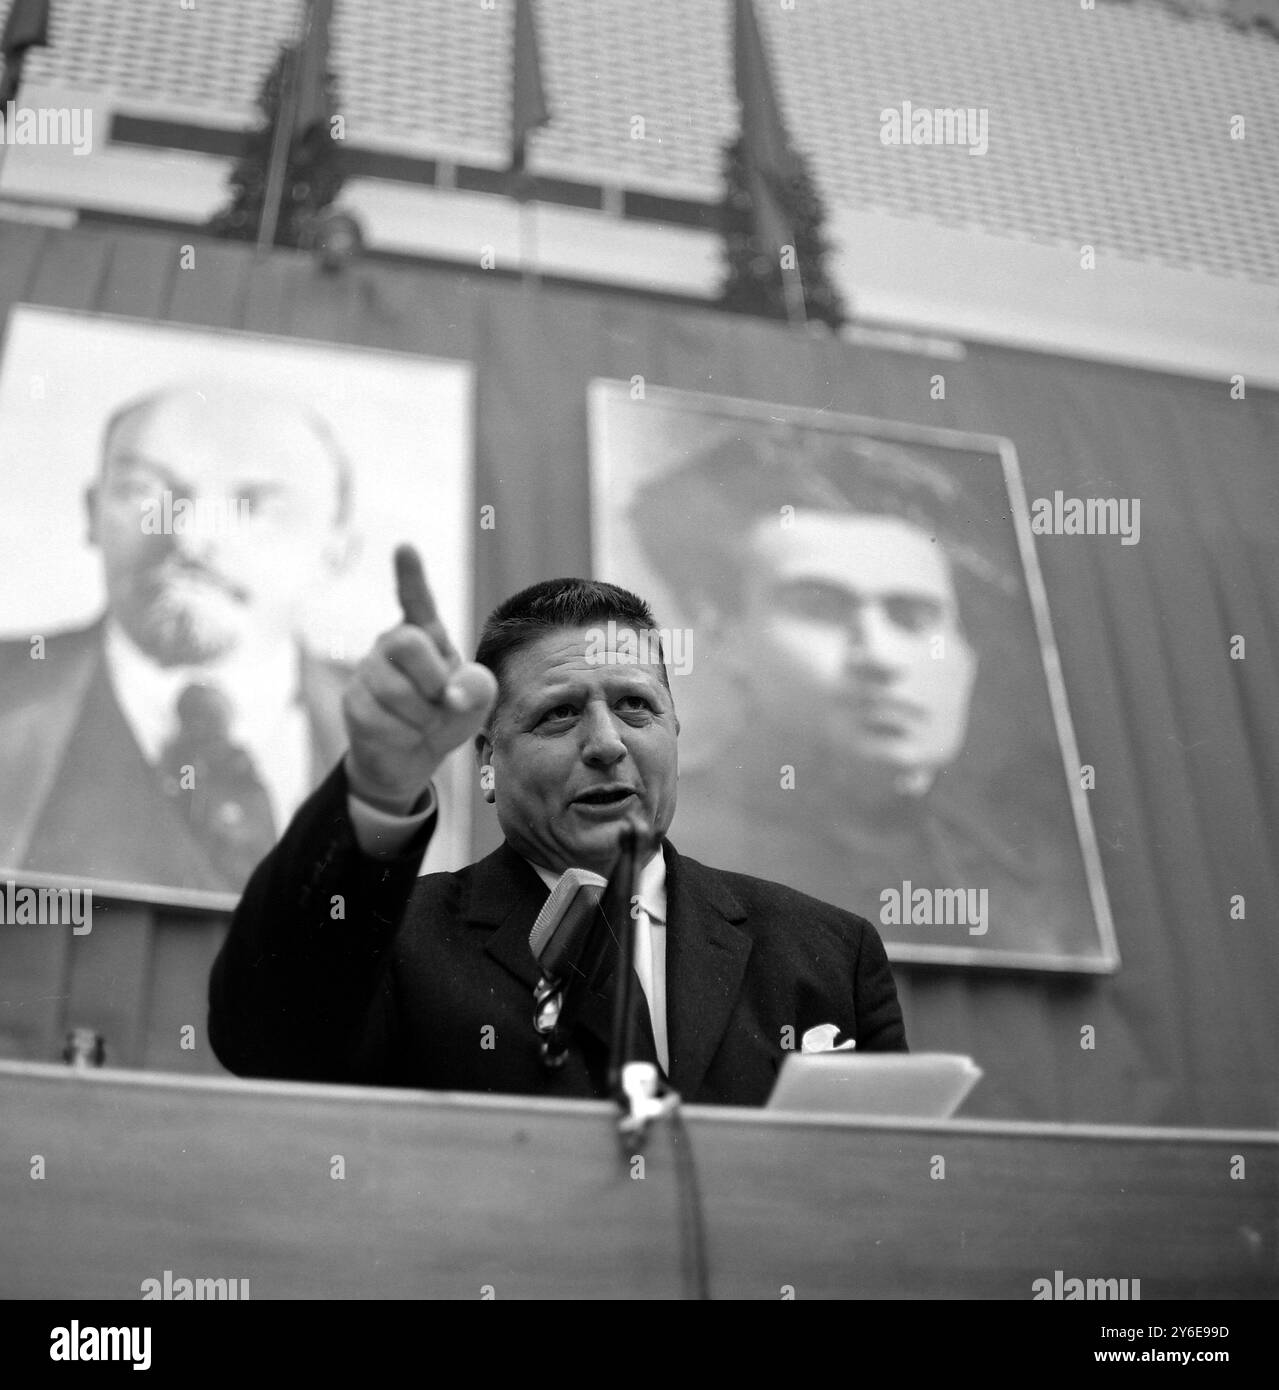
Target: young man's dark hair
694	519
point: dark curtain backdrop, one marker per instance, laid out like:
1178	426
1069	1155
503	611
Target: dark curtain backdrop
1184	740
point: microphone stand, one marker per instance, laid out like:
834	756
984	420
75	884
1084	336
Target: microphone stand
632	1082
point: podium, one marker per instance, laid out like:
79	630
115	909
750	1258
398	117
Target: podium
110	1179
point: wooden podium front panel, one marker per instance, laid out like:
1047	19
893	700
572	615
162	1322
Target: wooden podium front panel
843	1210
441	1196
449	1196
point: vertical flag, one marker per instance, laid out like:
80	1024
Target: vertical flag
528	96
766	149
26	26
303	104
312	102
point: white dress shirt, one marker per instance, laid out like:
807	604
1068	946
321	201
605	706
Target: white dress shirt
382	835
267	718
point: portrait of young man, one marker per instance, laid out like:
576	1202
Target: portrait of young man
873	714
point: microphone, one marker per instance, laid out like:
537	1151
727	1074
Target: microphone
633	1082
564	944
619	897
565	919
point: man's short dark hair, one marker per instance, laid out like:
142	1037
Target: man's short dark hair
693	520
553	604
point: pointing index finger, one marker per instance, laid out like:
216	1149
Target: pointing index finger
416	600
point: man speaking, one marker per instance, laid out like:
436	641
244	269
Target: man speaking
342	966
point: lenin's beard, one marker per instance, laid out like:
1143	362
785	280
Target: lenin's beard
182	616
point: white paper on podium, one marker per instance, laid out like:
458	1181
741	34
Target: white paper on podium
892	1085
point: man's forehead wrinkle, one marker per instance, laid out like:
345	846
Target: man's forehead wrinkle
590	678
539	672
570	652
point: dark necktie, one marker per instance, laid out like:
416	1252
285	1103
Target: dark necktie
223	801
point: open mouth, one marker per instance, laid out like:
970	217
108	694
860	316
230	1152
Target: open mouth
604	796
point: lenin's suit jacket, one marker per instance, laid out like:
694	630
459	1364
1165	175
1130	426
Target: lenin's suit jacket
339	967
79	797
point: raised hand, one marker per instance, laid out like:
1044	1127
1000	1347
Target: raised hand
412	700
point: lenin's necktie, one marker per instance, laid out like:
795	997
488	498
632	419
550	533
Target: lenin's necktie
214	782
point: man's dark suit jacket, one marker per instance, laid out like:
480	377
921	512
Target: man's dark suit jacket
339	967
80	799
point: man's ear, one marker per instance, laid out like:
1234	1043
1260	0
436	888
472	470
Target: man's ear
484	760
91	513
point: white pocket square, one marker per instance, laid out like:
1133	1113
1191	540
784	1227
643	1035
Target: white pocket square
822	1039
